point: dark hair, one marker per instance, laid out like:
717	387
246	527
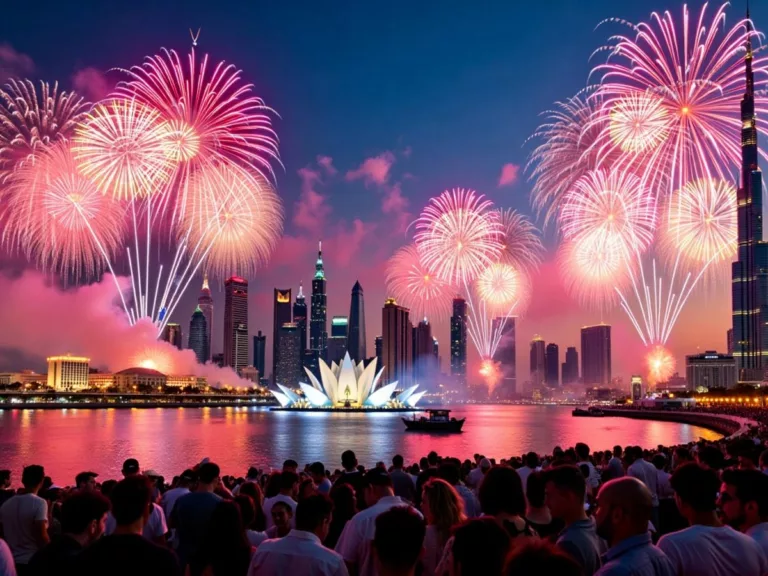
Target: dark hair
533	557
80	509
502	491
399	538
617	451
304	483
696	486
449	472
311	512
534	489
290	464
225	547
751	486
763	457
317	468
344	507
397	461
288	479
272	487
659	461
582	451
712	457
480	546
32	475
532	460
567	477
5	476
130	498
247	509
253	491
683	452
84	477
107	486
432	458
208	472
348	459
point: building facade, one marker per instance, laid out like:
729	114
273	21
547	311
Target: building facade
173	335
337	343
710	370
281	314
300	317
552	375
459	342
538	362
288	368
68	372
506	355
637	388
397	344
356	336
570	372
424	365
318	321
260	353
236	323
378	344
198	336
596	355
205	302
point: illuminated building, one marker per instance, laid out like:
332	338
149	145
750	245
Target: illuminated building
101	380
397	343
637	388
139	379
260	352
236	323
423	352
300	318
552	374
173	335
318	333
205	303
281	306
68	372
288	367
570	368
356	334
378	345
250	373
337	343
596	355
538	361
24	378
198	336
506	355
459	342
710	370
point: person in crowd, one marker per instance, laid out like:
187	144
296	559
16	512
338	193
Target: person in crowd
763	461
398	541
252	475
532	464
5	486
355	541
352	476
638	467
664	489
317	472
183	485
680	456
477	547
565	489
259	523
248	515
272	485
24	518
402	482
291	466
707	547
301	551
475	476
193	511
450	472
126	551
615	468
710	457
623	511
306	489
537	512
427	473
582	453
225	549
443	509
289	487
86	481
744	503
344	508
501	496
7	566
156	527
83	522
282	520
536	557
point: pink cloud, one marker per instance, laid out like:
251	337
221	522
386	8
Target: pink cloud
509	174
13	63
327	163
311	211
374	170
91	83
395	204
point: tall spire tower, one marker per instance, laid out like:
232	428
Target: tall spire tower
318	333
300	319
205	303
750	271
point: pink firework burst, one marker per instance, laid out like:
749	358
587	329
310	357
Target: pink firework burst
522	247
416	286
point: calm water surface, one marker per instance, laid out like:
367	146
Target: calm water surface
69	441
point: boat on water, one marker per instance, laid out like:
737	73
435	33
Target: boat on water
436	421
593	411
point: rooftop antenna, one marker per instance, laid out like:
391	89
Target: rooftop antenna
194	36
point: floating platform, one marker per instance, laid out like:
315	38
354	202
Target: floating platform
341	410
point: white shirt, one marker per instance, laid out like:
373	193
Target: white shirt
524	472
169	499
324	487
155	527
594	475
18	516
474	478
269	502
7	567
297	553
759	532
709	551
433	551
255	538
663	486
355	541
646	473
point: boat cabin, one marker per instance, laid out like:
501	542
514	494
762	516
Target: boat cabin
439	415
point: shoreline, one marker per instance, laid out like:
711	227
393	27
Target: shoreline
728	426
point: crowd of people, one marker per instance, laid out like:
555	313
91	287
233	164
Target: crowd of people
698	509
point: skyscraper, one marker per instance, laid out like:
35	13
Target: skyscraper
552	375
356	336
397	346
505	355
538	361
318	332
729	341
459	341
571	366
173	335
236	323
205	302
288	368
260	353
300	318
281	305
750	271
198	336
436	352
337	343
423	352
596	355
378	344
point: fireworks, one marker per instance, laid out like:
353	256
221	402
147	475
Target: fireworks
31	120
499	285
416	286
458	235
638	123
491	373
592	267
521	245
661	365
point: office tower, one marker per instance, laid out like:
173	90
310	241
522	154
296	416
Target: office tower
750	271
637	388
318	332
729	340
356	337
423	352
436	353
710	370
459	341
552	375
68	372
288	368
218	359
337	343
260	353
236	323
571	366
300	318
198	336
538	361
281	315
378	344
397	346
505	355
596	355
205	302
173	335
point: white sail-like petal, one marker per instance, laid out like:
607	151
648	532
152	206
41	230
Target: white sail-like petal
347	388
382	395
315	382
330	385
405	394
315	397
415	398
292	396
282	398
365	382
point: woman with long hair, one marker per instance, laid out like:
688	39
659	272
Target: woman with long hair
344	507
248	514
443	509
252	489
225	550
501	496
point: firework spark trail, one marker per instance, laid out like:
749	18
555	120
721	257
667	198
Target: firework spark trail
416	286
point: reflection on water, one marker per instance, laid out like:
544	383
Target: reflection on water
68	441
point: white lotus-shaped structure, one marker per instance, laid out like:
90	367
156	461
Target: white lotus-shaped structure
348	385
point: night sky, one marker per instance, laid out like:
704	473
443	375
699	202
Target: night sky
381	105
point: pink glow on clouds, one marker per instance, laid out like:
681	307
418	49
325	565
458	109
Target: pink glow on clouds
327	163
14	63
312	211
509	174
92	84
373	170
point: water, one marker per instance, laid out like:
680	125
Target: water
168	440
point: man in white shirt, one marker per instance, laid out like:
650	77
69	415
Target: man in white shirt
475	476
317	471
289	486
24	518
355	541
301	551
582	451
638	467
7	566
744	503
531	465
707	547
